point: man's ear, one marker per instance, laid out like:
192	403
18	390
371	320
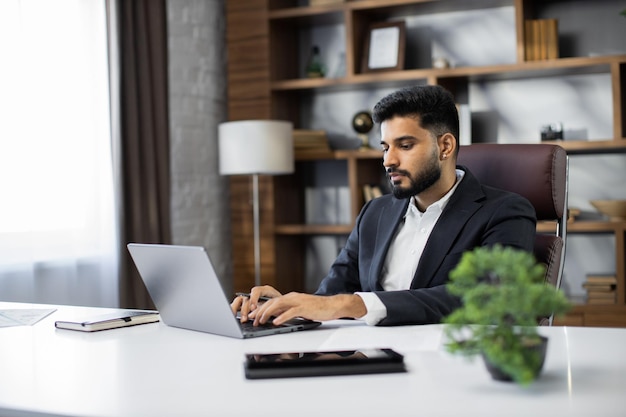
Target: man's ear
447	145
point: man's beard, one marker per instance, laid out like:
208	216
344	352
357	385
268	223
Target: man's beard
428	176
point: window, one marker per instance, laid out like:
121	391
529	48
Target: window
57	222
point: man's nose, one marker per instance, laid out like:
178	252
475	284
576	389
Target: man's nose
389	159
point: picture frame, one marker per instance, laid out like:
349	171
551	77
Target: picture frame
384	47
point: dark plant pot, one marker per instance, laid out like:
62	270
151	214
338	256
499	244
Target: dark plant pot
497	374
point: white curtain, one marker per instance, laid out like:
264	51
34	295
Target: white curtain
58	234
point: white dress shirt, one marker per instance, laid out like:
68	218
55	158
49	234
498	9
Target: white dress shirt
405	252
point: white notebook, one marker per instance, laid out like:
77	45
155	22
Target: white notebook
115	320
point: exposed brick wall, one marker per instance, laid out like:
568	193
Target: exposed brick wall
197	83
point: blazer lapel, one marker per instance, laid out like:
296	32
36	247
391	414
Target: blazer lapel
463	203
388	221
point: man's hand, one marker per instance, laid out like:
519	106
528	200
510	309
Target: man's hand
312	307
248	304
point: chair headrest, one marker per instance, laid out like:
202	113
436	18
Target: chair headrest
535	171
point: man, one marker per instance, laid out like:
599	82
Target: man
395	264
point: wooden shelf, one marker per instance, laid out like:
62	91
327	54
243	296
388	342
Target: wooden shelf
585	226
595	146
387	8
312	229
555	67
263	71
596	226
609	315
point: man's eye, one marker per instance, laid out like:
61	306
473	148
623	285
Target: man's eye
406	146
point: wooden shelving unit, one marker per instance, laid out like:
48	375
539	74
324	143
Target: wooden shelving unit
264	83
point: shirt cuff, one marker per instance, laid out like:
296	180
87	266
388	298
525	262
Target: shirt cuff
376	310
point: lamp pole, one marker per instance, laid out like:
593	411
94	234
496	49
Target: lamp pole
254	147
257	238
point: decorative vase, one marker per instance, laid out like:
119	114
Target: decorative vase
499	375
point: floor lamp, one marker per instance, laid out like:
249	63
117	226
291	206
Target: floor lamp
256	147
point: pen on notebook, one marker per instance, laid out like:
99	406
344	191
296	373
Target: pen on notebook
246	294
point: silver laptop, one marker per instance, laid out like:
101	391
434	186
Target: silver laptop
187	293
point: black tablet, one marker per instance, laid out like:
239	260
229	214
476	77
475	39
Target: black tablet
340	362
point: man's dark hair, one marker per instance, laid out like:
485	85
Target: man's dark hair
432	104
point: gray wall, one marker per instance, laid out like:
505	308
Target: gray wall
197	82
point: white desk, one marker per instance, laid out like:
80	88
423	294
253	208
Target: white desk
154	370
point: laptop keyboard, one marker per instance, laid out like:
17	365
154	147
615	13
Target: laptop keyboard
248	326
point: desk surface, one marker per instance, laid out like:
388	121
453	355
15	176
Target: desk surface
154	370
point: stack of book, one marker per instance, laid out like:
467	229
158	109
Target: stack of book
324	2
371	191
541	39
600	289
310	140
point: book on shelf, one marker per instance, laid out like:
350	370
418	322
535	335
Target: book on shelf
371	191
324	2
602	279
599	287
600	284
541	39
528	40
310	140
601	294
551	31
367	193
533	46
376	191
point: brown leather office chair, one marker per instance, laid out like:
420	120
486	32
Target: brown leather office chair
538	172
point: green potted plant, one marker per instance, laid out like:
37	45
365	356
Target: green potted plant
503	294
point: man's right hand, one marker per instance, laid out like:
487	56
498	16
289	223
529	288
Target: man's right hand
247	304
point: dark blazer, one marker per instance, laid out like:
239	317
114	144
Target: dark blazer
475	215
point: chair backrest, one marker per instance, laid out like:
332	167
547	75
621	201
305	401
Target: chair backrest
538	172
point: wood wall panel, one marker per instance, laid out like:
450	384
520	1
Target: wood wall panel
247	36
246	19
248	89
248	109
243	231
249	53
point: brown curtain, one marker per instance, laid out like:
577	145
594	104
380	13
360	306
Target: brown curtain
144	136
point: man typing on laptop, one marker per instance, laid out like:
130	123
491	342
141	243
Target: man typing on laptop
395	264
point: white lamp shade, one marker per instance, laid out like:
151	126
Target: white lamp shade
256	147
